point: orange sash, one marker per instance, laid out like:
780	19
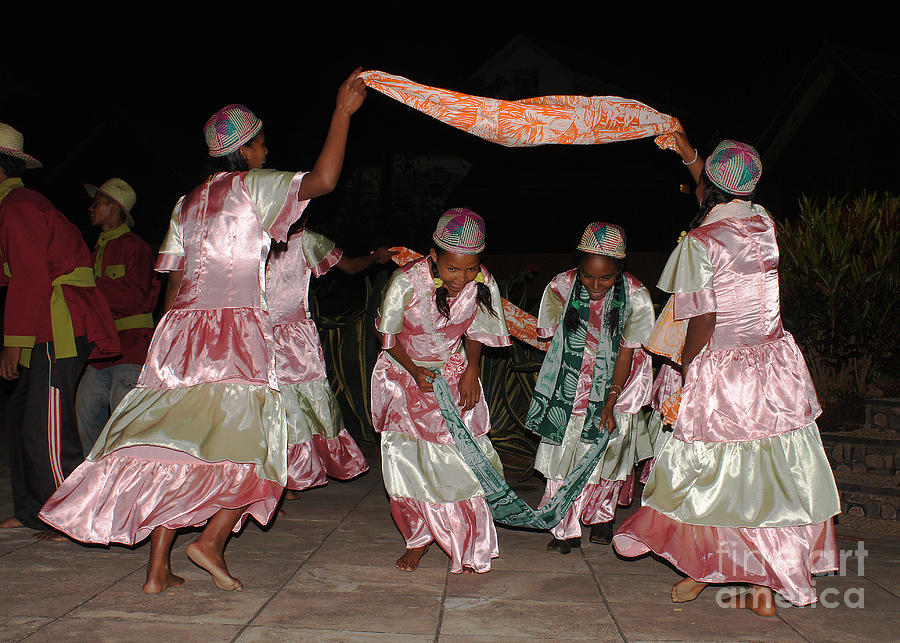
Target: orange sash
568	120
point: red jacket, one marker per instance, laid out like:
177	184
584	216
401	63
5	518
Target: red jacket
38	244
126	278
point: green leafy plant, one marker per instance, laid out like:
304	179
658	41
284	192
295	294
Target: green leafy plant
840	272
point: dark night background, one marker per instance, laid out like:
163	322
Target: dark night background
123	90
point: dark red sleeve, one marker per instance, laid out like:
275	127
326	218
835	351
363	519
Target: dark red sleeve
24	240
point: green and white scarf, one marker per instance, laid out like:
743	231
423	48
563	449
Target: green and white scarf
554	392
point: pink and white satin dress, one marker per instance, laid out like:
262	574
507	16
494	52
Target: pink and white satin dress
666	384
205	427
318	443
742	491
612	481
434	495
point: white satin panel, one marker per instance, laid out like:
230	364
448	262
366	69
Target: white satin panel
311	409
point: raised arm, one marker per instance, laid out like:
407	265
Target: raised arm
323	178
352	265
688	154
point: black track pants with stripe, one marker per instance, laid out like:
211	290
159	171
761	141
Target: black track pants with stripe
43	437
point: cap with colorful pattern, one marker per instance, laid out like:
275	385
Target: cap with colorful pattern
606	239
734	167
229	128
460	231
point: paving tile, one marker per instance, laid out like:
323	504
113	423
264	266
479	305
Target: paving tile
697	621
197	601
498	618
15	628
527	551
382	581
354	611
289	635
509	584
605	560
102	630
852	593
383	550
60	576
841	626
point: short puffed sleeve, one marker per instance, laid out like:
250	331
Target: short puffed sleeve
688	274
490	329
640	319
398	293
320	252
275	197
171	253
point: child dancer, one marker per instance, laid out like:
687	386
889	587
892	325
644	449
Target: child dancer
597	382
202	438
437	312
742	491
318	443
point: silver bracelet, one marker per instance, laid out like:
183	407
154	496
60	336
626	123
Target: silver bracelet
691	162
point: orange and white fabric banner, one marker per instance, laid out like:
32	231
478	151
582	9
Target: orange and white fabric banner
565	120
521	325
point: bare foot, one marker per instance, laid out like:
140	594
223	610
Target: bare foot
685	590
290	494
158	581
758	600
214	563
409	561
50	535
10	523
468	571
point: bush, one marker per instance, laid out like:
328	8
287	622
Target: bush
840	273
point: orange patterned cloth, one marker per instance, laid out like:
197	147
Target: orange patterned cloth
667	336
568	120
669	408
521	325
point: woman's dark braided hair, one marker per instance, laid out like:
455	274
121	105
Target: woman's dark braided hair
713	195
442	295
614	311
234	162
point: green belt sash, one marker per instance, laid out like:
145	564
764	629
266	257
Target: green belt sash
142	320
506	507
60	318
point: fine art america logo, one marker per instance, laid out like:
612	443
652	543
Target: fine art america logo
821	563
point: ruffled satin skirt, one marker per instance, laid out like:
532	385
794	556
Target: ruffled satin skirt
318	443
436	497
125	495
758	511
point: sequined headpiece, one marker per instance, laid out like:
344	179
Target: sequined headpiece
734	167
229	128
460	231
603	239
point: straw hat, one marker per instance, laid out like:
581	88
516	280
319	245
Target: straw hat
734	167
11	144
229	128
120	192
460	231
601	238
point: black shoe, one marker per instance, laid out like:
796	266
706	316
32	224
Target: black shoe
602	533
561	546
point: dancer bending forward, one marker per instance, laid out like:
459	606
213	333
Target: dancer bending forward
595	378
437	312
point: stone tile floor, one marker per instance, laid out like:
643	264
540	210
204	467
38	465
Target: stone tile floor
324	572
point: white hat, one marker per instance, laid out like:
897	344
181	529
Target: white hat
120	192
11	144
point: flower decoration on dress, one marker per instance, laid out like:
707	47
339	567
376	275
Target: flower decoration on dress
229	128
460	231
734	167
606	239
479	278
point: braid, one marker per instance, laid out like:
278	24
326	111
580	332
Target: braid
484	298
572	319
441	295
614	314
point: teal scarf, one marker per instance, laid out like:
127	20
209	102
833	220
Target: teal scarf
554	391
506	507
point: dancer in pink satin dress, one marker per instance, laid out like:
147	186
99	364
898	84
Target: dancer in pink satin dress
436	313
202	438
317	442
742	491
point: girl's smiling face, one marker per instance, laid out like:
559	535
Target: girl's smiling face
597	274
456	270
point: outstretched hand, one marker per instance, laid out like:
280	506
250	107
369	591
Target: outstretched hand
351	93
382	254
469	390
